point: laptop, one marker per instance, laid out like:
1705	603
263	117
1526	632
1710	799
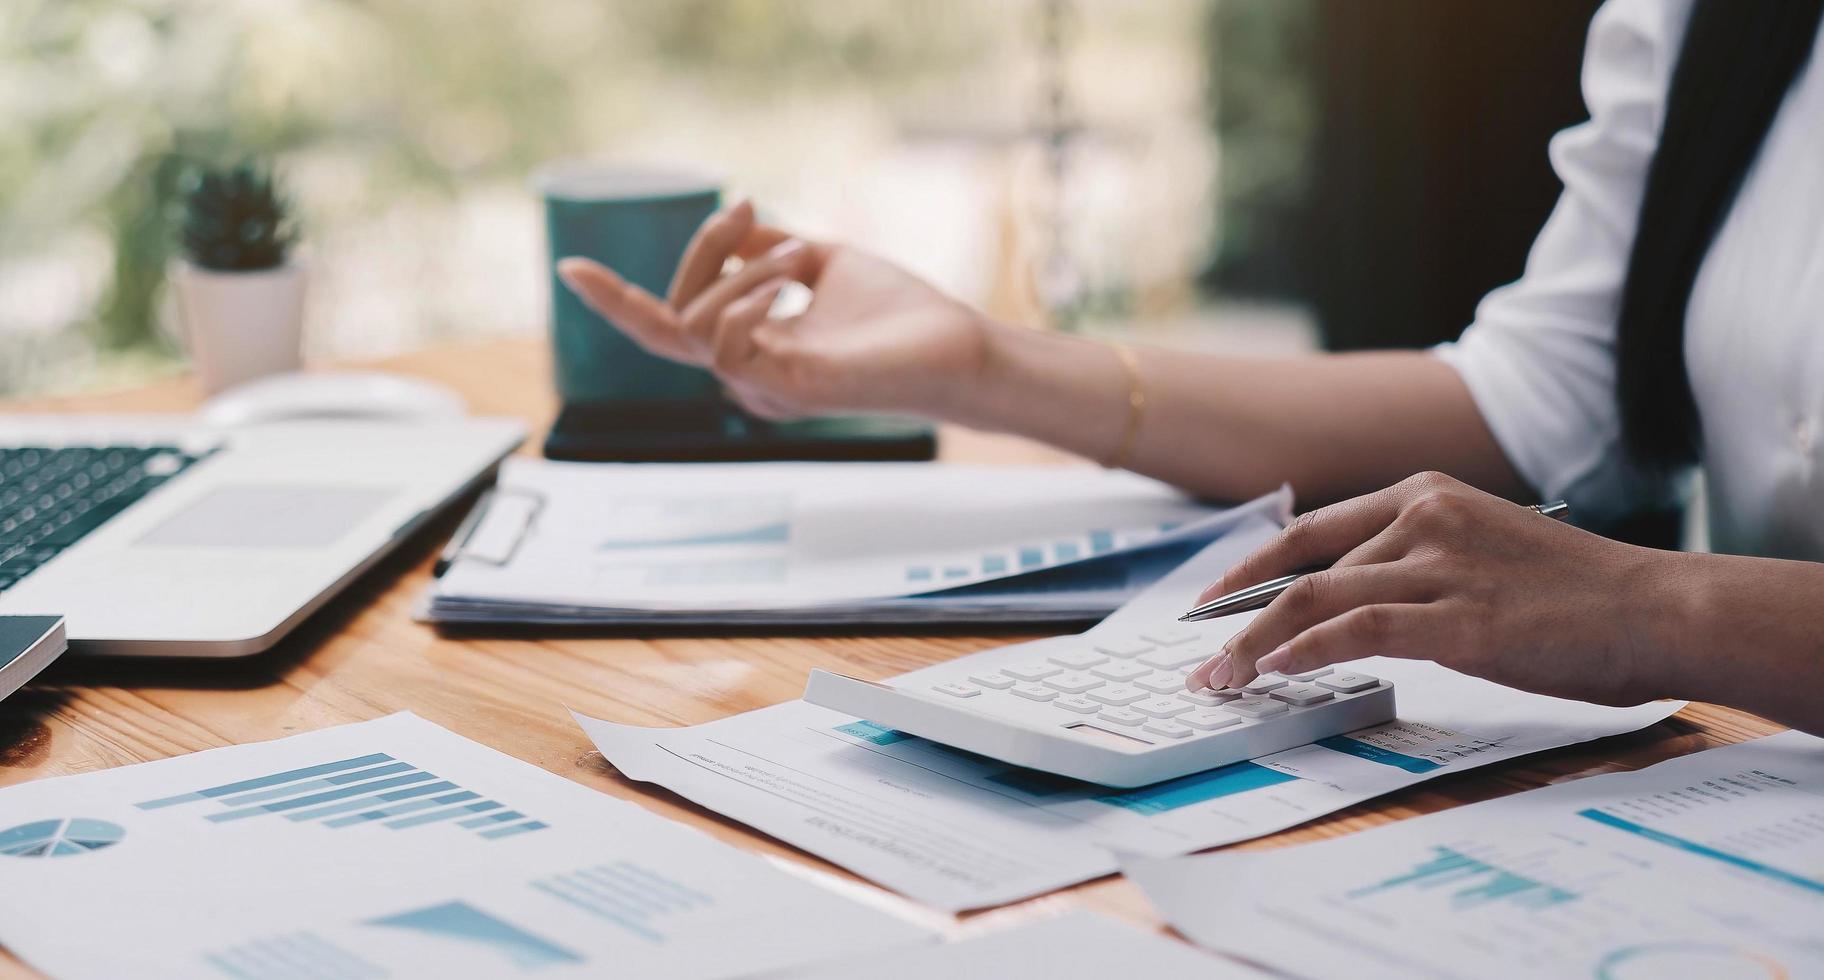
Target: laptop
157	536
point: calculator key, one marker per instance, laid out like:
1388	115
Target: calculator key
998	682
1117	694
1306	675
1252	707
1263	684
1171	636
1160	707
1300	695
1124	648
1120	670
1207	719
1348	683
1078	703
1033	692
1172	658
1209	699
1122	716
1078	659
1160	682
1031	672
956	690
1170	729
1074	681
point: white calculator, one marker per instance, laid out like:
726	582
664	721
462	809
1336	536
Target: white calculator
1110	707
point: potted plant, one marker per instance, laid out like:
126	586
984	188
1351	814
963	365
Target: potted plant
239	289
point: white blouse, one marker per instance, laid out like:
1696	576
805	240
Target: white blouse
1540	358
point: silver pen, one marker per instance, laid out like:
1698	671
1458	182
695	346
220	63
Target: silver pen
1258	595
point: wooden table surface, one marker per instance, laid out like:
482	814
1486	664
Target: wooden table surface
363	657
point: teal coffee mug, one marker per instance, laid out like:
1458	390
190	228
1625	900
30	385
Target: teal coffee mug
636	221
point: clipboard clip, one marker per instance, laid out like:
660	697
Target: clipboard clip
493	528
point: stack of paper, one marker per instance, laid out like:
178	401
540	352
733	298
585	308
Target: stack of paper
799	543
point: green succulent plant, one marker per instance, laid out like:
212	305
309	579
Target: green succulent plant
235	219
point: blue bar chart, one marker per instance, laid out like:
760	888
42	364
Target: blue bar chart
1045	554
1472	882
374	789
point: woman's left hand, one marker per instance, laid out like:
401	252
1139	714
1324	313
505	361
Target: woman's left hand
1434	569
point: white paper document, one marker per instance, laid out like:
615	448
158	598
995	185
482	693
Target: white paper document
1710	865
806	542
1074	946
960	831
390	848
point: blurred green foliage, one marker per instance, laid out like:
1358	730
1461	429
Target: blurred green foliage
107	100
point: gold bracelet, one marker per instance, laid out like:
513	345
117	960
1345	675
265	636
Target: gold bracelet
1136	405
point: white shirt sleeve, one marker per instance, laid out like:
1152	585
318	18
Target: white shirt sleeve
1540	358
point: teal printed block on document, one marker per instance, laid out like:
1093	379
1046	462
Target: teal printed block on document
1241	777
867	731
464	923
1374	753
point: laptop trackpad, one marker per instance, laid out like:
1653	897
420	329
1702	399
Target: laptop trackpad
267	516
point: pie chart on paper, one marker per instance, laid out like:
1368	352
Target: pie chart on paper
59	838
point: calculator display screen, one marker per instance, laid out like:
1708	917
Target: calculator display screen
1108	739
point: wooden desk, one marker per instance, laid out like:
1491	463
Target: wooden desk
363	657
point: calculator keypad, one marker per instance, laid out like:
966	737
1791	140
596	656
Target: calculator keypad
1137	683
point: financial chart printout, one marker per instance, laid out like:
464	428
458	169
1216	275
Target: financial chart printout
390	848
1710	865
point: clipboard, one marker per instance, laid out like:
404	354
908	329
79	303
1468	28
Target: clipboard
493	529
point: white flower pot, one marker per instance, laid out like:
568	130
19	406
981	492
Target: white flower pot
241	325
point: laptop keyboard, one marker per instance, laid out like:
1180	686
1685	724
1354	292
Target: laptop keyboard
51	496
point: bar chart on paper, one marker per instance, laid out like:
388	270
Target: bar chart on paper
1468	882
365	790
1036	555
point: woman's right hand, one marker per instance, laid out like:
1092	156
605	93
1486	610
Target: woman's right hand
874	338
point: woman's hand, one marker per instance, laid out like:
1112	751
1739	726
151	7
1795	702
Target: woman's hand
874	339
1433	569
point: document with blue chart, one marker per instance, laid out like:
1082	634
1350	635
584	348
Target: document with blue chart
390	848
1709	865
807	543
962	831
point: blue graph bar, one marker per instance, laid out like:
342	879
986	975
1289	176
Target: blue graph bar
327	782
501	817
433	817
373	788
262	782
365	802
315	798
395	810
508	831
